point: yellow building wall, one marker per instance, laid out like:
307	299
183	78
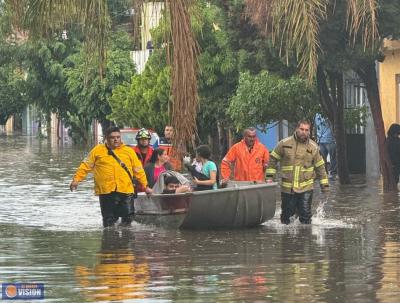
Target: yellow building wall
388	70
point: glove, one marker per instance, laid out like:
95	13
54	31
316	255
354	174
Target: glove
324	188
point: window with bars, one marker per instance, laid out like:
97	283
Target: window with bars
355	95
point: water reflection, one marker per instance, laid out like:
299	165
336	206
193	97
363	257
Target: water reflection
389	252
118	274
349	254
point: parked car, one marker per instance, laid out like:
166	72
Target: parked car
128	136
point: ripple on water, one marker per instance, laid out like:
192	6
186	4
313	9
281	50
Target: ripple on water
350	252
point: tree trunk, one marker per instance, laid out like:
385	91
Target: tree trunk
340	135
367	73
48	125
59	137
333	104
223	140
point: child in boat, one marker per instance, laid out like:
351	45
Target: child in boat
172	186
208	169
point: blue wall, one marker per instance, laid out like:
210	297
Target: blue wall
271	137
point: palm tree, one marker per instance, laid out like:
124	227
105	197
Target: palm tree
43	17
299	28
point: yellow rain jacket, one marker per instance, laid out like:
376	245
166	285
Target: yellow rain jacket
299	163
109	175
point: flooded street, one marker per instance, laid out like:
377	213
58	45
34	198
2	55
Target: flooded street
351	252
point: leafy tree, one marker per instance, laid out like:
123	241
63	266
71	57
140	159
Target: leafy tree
143	102
42	17
89	93
218	75
327	38
12	92
12	77
266	98
44	65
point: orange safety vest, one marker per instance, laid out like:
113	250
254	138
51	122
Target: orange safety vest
248	166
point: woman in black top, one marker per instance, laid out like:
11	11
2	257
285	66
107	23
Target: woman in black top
393	148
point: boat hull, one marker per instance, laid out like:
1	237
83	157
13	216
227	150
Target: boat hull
242	205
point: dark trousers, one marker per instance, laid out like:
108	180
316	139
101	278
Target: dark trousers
329	148
115	205
396	173
296	203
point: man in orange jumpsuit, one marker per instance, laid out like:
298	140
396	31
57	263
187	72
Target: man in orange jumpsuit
249	159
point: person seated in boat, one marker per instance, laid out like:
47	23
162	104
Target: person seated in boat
207	179
173	186
158	164
166	143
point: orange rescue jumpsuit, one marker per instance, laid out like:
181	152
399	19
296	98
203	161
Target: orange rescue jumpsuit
248	166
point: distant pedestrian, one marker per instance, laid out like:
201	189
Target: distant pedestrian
393	148
248	159
327	144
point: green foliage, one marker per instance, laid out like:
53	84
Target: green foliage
12	97
218	69
265	98
89	94
12	78
44	64
143	102
356	116
229	45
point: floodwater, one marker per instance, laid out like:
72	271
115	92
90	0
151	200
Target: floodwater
351	252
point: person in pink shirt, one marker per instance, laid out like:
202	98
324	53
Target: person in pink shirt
158	164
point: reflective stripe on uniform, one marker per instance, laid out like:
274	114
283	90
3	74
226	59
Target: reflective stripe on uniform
319	163
310	169
287	168
275	155
324	181
296	177
286	184
307	183
270	171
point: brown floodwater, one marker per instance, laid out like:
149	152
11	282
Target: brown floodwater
350	253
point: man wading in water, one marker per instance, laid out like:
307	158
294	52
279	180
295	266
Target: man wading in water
300	161
113	165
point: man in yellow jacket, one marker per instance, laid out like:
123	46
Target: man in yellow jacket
300	161
112	182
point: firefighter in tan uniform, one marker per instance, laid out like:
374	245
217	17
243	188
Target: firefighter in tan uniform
300	161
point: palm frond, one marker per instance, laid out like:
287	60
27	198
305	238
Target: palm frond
43	17
294	27
362	19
